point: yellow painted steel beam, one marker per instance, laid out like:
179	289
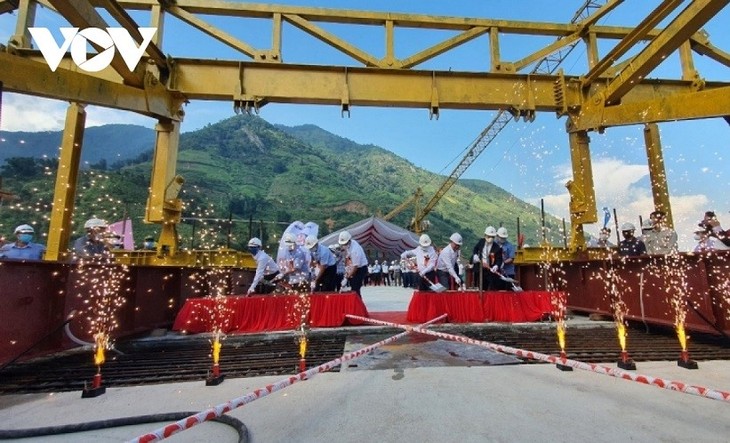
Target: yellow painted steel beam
64	194
26	17
581	189
332	40
638	34
655	108
689	21
124	19
8	5
26	76
216	33
81	14
657	172
442	47
701	45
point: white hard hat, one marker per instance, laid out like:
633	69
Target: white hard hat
95	223
502	232
490	231
254	243
456	238
344	238
289	238
310	241
24	229
424	241
647	224
334	247
628	227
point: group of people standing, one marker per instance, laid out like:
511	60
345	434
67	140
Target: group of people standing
659	239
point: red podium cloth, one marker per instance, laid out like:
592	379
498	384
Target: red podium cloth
461	307
269	313
465	307
516	307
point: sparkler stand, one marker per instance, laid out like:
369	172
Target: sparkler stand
626	363
216	377
685	362
96	388
563	367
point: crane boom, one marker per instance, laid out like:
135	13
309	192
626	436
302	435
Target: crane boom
547	65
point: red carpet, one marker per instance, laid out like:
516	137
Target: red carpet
391	316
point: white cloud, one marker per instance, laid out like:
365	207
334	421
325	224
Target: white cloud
617	185
28	113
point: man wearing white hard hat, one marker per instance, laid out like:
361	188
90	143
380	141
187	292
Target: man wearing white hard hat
630	246
293	263
23	248
325	279
446	265
487	258
426	259
356	262
93	242
266	269
508	257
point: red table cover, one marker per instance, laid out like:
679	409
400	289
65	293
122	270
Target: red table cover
268	313
465	307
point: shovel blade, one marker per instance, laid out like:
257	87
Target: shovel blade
437	287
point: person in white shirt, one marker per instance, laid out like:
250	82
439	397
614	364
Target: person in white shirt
266	269
426	258
293	263
356	262
326	263
446	265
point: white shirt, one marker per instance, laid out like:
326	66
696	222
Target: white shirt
425	260
447	260
294	264
265	265
356	255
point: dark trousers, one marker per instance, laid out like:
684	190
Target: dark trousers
328	281
265	286
423	284
357	279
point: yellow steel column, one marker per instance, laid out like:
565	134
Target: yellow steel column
657	172
163	206
64	193
581	189
26	19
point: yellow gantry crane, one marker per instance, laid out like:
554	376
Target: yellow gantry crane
547	65
614	91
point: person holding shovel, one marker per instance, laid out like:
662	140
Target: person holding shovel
426	259
487	258
446	265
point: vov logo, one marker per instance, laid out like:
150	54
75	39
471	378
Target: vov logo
108	40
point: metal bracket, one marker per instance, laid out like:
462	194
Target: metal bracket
242	102
433	110
345	105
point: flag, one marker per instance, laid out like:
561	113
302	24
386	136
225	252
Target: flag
123	228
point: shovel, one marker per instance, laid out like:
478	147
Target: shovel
435	287
515	284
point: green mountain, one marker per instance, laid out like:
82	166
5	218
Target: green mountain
107	144
247	177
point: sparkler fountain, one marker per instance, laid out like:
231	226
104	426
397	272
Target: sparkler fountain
554	278
674	269
103	281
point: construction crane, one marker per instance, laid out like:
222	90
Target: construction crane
547	65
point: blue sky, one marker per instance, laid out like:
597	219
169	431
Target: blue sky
529	159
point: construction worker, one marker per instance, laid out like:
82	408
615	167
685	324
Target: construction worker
93	242
325	279
603	239
23	248
426	259
266	269
356	262
630	246
487	258
661	239
446	265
